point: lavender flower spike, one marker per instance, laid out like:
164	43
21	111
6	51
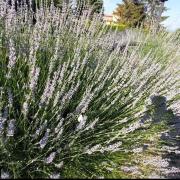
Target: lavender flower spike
44	140
50	158
11	127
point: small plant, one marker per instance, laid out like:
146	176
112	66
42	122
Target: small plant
68	104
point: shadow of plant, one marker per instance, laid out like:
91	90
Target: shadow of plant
171	141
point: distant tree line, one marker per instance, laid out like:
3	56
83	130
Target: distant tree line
79	5
95	5
18	3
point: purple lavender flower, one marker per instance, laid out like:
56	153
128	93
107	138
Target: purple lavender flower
11	127
44	140
50	158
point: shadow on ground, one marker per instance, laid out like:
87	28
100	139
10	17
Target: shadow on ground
171	138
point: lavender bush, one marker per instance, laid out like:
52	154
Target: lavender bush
75	101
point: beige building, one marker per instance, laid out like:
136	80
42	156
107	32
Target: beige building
110	19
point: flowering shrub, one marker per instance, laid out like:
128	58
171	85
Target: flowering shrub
71	98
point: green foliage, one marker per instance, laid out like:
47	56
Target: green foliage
137	12
155	10
116	27
178	34
130	13
74	93
96	6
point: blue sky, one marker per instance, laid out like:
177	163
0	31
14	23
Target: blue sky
172	23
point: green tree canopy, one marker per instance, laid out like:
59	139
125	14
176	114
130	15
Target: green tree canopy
130	12
155	10
95	5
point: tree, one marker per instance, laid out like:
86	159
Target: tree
95	5
58	3
131	12
155	10
134	12
36	3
